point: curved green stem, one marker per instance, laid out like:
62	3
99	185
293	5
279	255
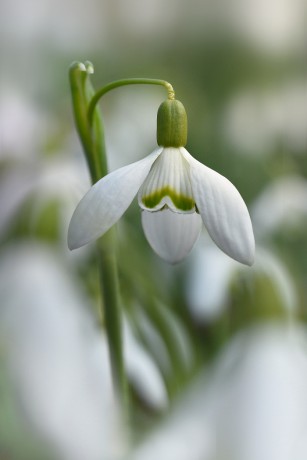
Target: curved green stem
128	81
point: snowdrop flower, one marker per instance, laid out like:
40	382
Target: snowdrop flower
283	204
260	400
57	358
209	280
249	405
175	193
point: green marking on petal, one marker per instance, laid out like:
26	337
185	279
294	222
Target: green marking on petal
182	202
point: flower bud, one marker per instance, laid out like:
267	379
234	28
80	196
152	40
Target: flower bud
172	124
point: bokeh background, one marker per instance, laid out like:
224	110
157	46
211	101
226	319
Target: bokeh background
215	352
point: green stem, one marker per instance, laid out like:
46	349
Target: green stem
128	81
92	139
98	148
112	313
77	78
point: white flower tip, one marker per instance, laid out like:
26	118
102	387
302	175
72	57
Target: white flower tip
71	242
240	247
246	253
249	260
75	237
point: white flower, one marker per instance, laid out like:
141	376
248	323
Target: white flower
175	193
259	406
250	405
57	358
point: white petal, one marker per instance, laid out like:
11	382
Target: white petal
208	281
143	372
223	211
171	235
280	205
168	183
106	201
50	345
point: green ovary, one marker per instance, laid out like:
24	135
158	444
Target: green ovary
184	203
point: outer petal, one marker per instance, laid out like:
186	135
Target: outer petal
170	234
106	201
223	211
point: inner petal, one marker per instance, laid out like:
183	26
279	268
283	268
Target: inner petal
168	184
171	235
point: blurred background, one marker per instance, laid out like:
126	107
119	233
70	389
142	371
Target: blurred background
215	352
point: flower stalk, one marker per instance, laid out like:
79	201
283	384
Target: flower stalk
128	81
89	125
92	140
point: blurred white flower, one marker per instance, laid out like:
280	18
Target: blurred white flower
154	341
58	359
260	384
145	19
276	27
20	115
41	23
283	204
186	434
211	273
208	281
142	372
252	405
61	179
258	121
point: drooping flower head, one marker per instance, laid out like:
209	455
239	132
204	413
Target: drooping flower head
176	194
